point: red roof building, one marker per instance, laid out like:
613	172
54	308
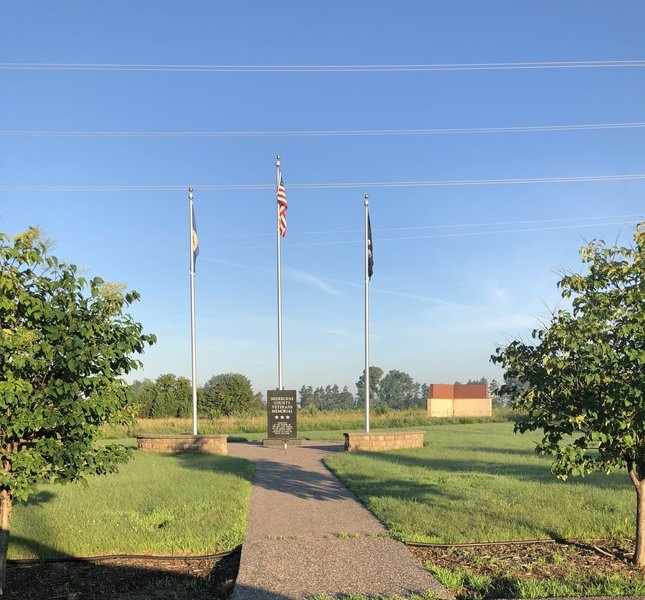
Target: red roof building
459	400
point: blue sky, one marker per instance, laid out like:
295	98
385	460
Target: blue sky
458	269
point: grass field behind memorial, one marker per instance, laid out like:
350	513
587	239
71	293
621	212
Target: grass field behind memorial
156	504
309	422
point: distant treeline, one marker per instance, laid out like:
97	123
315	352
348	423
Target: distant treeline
231	394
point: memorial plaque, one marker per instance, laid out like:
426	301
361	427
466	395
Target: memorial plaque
281	413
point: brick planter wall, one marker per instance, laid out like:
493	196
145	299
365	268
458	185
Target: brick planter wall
212	444
383	440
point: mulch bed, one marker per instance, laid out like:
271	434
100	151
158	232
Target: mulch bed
537	560
124	579
214	578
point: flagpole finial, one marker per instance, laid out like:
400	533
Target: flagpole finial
366	201
190	193
277	160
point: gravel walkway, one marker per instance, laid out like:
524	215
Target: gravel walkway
308	535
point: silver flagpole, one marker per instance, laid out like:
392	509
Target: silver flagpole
277	185
192	308
367	320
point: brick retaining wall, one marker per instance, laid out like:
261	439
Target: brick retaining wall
383	440
212	444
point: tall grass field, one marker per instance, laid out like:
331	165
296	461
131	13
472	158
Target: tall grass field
308	421
156	504
481	482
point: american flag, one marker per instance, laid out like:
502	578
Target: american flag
282	209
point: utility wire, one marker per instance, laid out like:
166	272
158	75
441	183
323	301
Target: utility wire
497	232
322	133
436	235
574	64
598	221
577	222
570	222
319	186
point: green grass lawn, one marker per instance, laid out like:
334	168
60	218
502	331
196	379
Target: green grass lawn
471	482
156	504
481	482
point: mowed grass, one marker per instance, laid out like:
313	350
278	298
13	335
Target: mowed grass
157	504
481	482
469	586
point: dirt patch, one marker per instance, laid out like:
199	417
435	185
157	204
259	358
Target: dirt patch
542	560
124	579
505	563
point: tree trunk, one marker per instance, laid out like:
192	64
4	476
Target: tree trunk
5	525
639	485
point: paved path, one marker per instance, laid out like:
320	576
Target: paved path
308	535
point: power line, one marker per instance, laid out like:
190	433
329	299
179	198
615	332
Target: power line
318	186
438	235
502	231
563	223
323	133
576	64
456	234
598	221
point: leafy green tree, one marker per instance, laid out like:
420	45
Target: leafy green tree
345	400
497	398
376	373
424	393
306	394
319	398
398	390
332	398
329	397
228	394
136	385
167	396
582	381
65	344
